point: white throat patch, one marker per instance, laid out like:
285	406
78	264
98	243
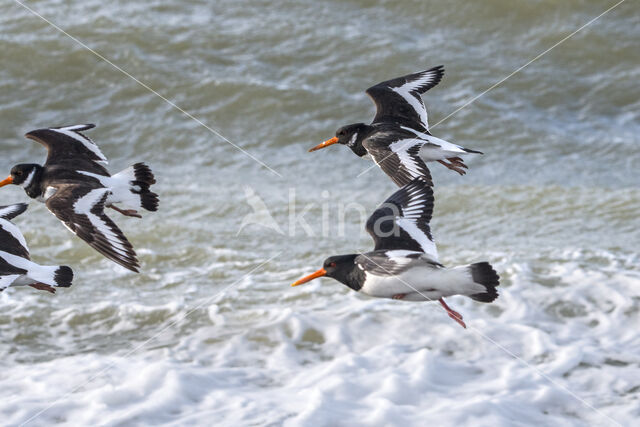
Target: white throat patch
352	141
27	181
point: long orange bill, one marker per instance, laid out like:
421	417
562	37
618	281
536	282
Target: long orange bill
310	277
7	181
327	143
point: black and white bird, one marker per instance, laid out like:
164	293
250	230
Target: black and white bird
76	187
16	267
404	262
398	139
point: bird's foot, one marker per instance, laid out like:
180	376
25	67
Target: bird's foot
127	212
453	314
457	161
43	287
399	296
455	166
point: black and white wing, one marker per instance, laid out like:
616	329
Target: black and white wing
402	221
11	239
388	263
398	100
68	144
81	209
12	211
398	158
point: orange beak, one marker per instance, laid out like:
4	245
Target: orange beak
7	181
327	143
310	277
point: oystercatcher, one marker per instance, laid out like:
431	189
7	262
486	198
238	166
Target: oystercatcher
404	263
398	139
16	268
76	187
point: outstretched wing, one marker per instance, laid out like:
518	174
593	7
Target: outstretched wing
11	239
400	159
81	209
398	100
12	211
402	221
388	263
68	144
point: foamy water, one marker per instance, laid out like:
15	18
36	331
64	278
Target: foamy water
210	333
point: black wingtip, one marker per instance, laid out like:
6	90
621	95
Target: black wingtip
144	174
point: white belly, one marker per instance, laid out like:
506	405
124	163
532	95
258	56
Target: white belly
422	284
23	281
439	149
436	148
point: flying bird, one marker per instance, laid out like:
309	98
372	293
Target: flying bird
404	262
16	267
398	139
76	187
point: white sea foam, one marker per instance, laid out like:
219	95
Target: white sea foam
341	359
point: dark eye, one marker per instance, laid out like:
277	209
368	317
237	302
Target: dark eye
333	264
340	133
18	173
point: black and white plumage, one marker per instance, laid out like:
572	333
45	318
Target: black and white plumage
404	263
398	139
16	267
76	187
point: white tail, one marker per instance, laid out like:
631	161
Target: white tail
58	276
131	187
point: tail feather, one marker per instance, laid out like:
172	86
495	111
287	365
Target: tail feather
63	276
149	200
484	274
58	276
134	187
145	179
143	173
469	150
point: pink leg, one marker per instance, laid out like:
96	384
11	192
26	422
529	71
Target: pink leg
126	212
457	161
454	166
453	314
399	296
43	287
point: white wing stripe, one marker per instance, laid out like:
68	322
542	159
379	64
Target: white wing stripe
85	141
83	207
416	234
8	210
400	148
414	100
14	231
415	103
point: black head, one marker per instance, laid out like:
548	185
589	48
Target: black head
22	175
349	135
339	267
